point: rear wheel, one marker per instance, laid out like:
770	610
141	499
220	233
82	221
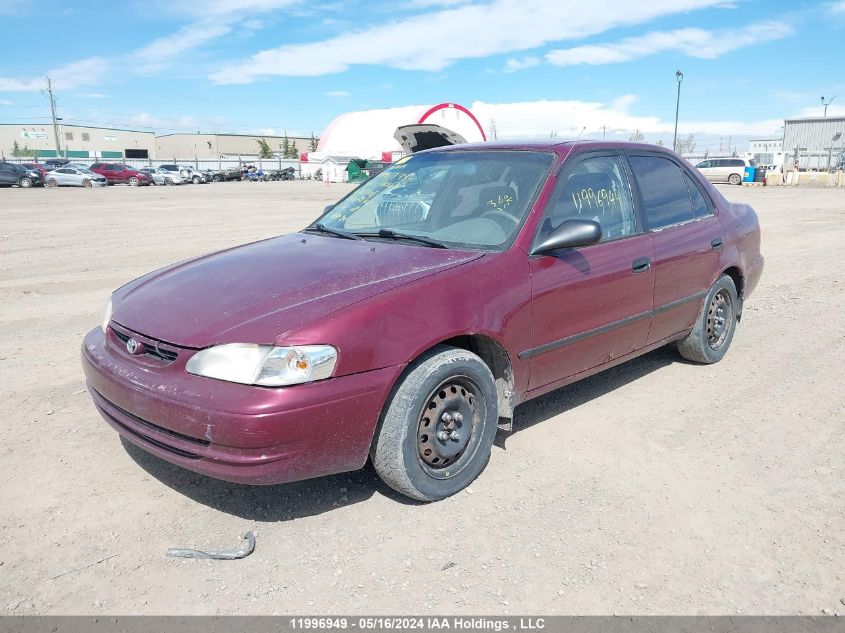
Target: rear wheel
218	179
438	427
25	182
714	329
51	182
735	179
133	181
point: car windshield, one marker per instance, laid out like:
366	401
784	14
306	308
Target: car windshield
461	199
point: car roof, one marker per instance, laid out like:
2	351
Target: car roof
553	144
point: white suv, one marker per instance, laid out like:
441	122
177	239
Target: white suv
731	169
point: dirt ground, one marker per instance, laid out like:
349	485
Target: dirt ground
658	487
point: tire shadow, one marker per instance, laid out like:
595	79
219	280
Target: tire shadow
286	502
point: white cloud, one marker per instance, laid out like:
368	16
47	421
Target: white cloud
214	20
837	7
514	64
692	41
83	72
432	41
337	94
568	118
834	109
167	50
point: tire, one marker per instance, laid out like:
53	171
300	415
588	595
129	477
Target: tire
25	182
710	338
133	181
459	388
218	179
51	182
735	179
87	183
168	181
195	180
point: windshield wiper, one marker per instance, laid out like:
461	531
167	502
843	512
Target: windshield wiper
322	228
390	234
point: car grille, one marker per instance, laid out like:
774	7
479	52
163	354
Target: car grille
152	347
392	213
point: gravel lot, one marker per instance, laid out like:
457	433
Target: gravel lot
657	487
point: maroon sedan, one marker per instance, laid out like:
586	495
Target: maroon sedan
409	320
118	173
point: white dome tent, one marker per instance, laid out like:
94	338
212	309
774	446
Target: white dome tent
369	134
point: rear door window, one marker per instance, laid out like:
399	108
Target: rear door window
663	191
700	205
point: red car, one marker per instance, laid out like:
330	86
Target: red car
409	320
36	167
117	173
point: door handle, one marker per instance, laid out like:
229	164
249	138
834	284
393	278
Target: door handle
716	243
641	265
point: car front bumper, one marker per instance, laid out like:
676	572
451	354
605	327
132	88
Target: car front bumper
238	433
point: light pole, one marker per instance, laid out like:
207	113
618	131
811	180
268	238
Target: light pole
680	77
827	103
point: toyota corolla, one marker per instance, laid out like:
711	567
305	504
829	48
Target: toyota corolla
410	319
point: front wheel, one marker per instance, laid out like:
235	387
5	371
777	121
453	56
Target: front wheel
133	182
735	179
87	183
714	329
168	181
438	427
25	182
195	180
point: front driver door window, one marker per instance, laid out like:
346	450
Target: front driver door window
591	304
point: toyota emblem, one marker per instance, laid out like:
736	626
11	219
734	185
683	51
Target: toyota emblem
134	347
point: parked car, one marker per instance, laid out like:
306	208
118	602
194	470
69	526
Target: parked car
162	177
730	170
188	173
15	175
69	176
118	173
411	341
36	167
222	175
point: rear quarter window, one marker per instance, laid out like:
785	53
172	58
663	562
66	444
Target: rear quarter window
664	193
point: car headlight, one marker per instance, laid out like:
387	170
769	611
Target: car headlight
264	365
106	316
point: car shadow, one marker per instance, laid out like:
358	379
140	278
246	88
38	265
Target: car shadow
578	393
286	502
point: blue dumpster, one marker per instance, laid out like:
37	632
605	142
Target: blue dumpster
749	174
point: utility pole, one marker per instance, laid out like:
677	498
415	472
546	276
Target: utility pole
49	94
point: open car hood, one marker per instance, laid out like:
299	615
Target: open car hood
420	136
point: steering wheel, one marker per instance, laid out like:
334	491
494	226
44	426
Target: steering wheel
497	214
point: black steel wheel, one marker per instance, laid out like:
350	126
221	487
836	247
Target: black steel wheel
713	331
438	426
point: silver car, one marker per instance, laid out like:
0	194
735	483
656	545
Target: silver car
731	170
162	176
188	173
72	176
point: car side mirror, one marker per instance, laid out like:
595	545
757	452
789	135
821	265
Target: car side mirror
570	234
328	208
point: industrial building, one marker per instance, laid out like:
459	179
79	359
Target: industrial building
74	141
815	143
766	151
199	146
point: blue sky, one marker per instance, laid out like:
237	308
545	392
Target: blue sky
273	65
